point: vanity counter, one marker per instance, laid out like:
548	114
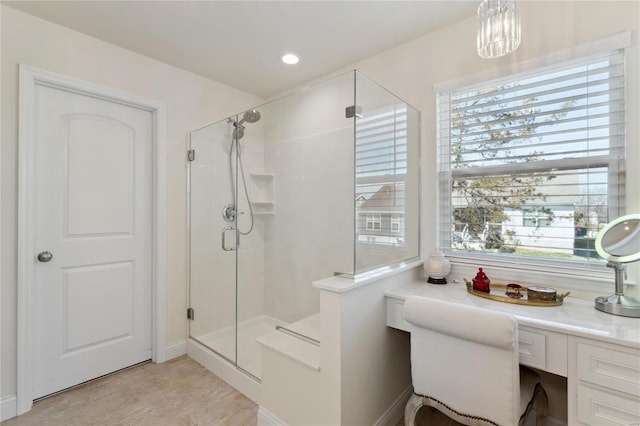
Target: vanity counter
576	317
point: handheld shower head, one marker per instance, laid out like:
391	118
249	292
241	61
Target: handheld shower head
251	116
238	131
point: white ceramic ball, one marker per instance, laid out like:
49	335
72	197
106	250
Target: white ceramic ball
436	265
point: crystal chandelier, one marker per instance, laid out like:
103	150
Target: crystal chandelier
498	28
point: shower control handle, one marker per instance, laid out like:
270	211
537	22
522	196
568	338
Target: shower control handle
229	212
224	237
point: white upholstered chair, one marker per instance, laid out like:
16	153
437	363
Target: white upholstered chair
464	362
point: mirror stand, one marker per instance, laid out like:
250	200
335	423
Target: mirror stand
618	303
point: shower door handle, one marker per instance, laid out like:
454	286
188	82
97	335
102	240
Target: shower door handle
224	238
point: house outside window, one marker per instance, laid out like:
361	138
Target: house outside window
526	161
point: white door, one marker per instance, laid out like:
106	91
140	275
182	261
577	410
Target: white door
93	183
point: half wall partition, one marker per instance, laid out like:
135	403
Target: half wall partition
319	182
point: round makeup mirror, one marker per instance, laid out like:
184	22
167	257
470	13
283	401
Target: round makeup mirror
619	243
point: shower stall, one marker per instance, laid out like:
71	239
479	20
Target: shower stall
321	182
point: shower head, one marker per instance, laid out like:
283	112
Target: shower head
251	116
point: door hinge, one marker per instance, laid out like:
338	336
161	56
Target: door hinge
191	154
353	111
191	314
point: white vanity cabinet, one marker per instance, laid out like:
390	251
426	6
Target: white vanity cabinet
604	383
598	353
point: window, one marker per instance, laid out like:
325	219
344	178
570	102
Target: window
381	171
374	222
395	223
537	216
533	165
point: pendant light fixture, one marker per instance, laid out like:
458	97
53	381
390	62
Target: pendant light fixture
498	28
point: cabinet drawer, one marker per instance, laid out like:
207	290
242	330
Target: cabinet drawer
395	318
597	407
532	348
615	369
543	349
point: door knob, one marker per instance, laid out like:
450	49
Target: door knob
45	256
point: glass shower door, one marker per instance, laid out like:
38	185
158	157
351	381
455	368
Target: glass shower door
213	239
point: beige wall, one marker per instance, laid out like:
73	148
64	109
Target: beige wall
192	101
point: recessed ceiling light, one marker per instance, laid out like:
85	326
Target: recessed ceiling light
290	59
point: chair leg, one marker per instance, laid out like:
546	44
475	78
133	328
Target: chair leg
541	405
411	409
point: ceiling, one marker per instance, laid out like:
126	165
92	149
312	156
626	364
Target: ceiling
239	43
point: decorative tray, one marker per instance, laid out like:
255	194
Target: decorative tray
500	293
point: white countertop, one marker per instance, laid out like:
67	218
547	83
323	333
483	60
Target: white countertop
575	316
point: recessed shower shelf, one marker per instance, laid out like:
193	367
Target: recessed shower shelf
266	176
263	207
263	193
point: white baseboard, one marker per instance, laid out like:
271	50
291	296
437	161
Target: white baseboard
394	413
266	418
8	407
176	349
390	417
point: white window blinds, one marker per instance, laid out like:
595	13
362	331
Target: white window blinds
381	170
533	165
381	144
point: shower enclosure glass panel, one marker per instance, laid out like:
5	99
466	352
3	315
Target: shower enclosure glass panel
212	269
387	163
319	182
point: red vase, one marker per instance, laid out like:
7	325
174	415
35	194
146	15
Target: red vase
481	282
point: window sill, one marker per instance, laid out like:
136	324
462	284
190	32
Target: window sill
581	283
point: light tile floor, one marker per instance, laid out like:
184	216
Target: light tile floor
178	392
